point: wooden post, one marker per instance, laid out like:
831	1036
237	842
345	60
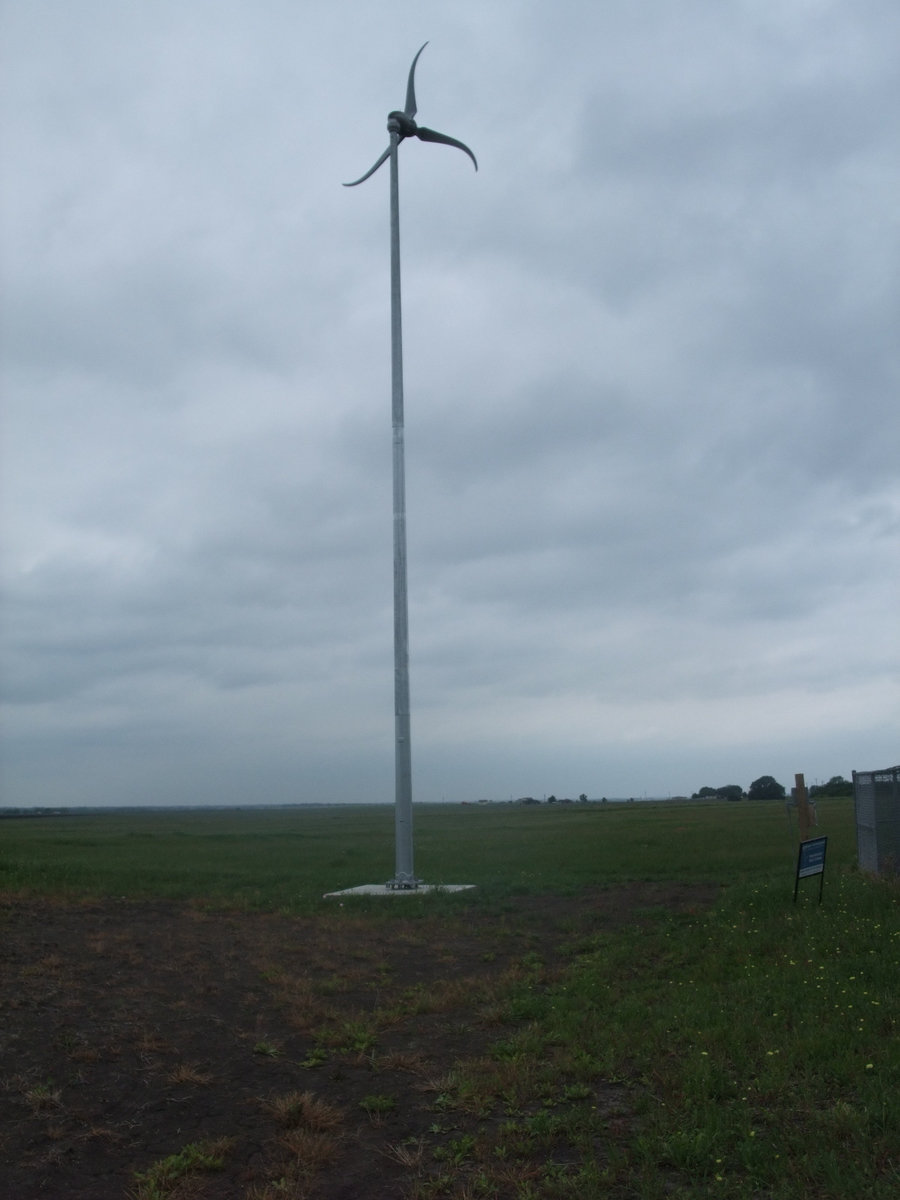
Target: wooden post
803	814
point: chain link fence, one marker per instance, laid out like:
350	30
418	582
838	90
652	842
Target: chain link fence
877	801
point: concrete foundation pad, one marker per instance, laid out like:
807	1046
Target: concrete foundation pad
383	889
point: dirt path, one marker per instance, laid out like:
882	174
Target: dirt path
308	1052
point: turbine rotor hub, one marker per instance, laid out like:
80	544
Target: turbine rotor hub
399	122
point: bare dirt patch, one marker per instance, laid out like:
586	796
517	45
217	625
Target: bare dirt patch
295	1056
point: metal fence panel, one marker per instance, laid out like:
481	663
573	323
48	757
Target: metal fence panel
877	803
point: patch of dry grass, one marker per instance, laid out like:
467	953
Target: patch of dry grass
189	1074
303	1110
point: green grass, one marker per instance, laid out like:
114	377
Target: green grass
749	1050
288	859
166	1175
755	1045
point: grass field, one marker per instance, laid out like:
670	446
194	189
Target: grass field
757	1040
289	858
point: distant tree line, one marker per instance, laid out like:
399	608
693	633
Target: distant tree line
731	791
768	788
837	785
764	788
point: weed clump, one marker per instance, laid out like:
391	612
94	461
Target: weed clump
163	1177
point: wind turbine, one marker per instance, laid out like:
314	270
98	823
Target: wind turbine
401	125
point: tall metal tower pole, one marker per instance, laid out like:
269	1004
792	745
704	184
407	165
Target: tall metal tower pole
401	125
404	875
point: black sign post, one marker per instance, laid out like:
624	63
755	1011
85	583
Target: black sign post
811	861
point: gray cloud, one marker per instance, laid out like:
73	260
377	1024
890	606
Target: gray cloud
651	375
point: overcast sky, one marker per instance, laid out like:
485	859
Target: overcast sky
652	355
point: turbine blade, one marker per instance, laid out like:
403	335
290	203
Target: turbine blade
410	108
371	170
430	135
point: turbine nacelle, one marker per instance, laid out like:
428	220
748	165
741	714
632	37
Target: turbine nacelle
399	123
